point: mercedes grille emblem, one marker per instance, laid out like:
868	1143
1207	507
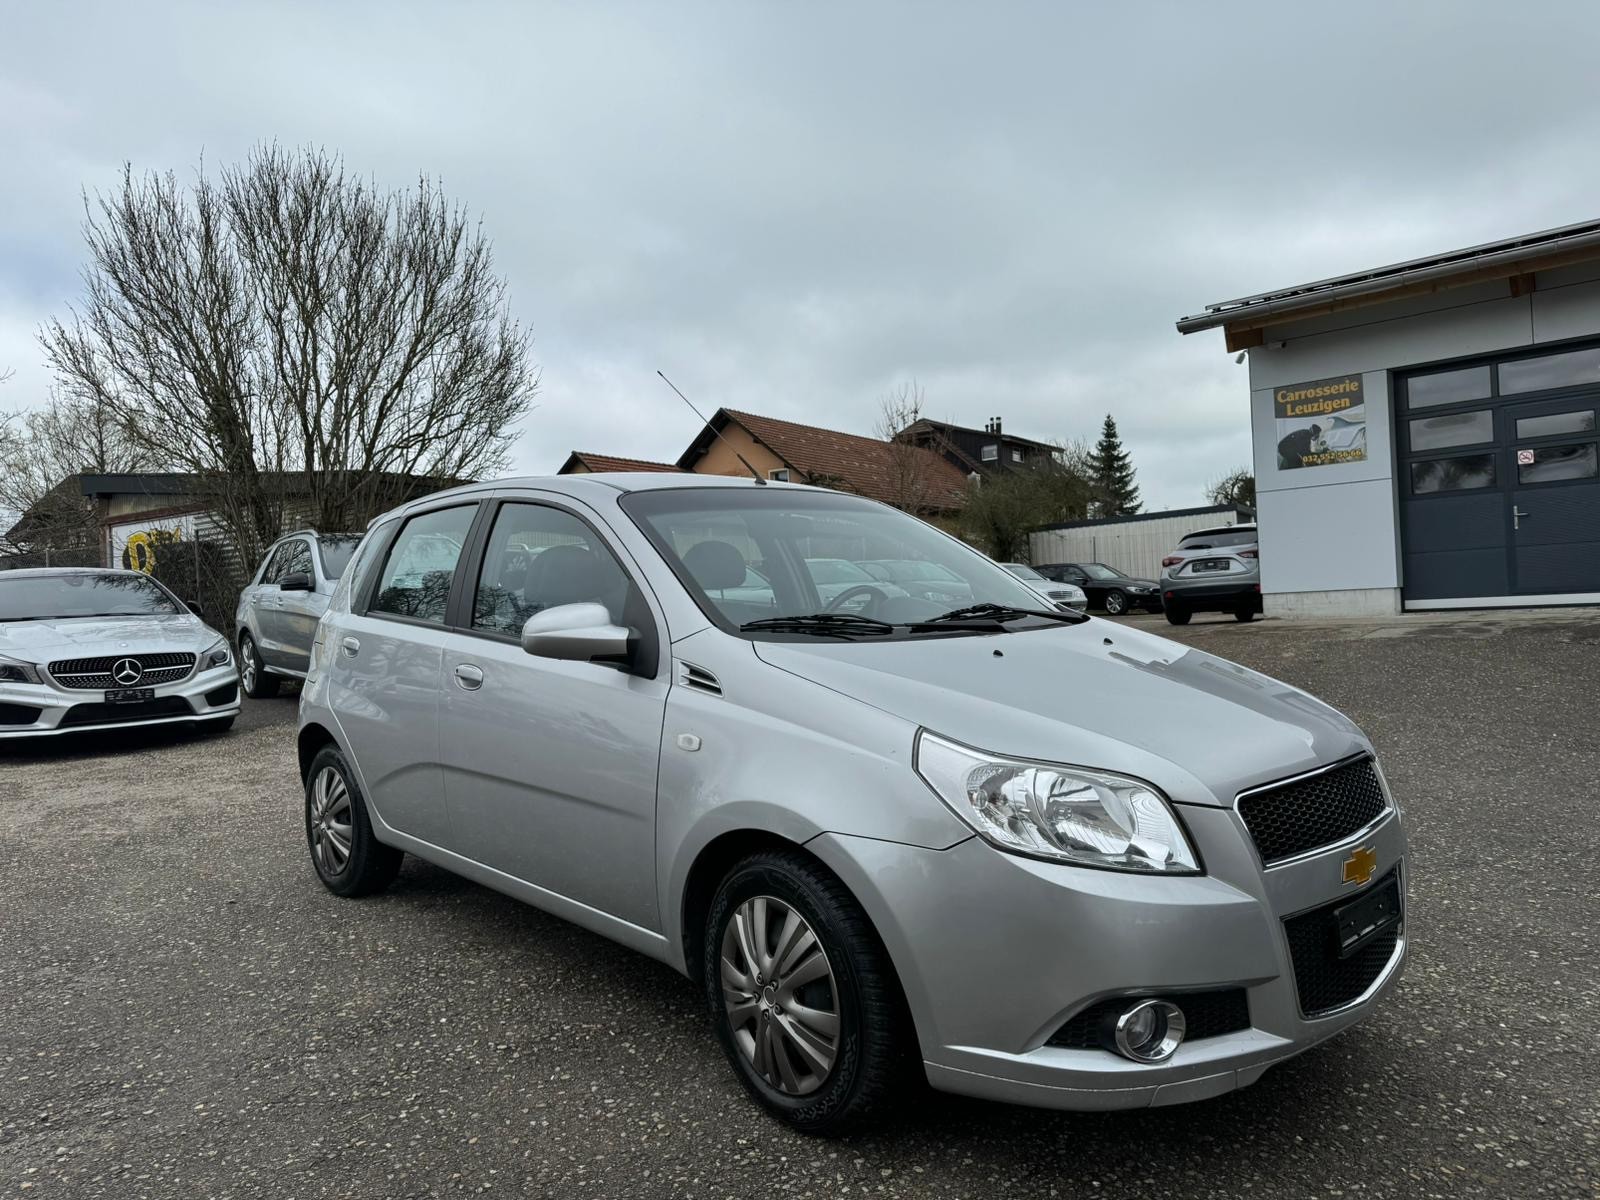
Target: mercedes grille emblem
127	672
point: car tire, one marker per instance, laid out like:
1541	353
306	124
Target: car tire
346	855
253	677
1244	615
787	1062
1178	616
1116	603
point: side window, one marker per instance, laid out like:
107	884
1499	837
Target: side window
274	569
538	558
415	580
299	558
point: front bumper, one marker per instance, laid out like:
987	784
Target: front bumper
996	953
58	711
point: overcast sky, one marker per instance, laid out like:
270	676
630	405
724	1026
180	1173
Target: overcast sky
793	208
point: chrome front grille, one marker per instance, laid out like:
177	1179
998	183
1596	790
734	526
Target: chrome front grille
1299	815
96	674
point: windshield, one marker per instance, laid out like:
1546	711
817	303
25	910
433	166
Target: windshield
822	553
1101	571
336	551
1023	571
90	594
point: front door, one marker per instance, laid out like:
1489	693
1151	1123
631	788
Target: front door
550	766
297	612
1499	483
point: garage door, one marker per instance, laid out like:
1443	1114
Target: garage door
1500	479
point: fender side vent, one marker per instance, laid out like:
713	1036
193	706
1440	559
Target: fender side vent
698	678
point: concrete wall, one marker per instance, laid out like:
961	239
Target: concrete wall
1330	540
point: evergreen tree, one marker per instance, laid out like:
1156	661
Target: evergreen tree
1116	495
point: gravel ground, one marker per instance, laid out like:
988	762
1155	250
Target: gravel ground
185	1012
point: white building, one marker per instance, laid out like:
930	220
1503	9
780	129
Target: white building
1425	433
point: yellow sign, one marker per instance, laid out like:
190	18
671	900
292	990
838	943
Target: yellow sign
1358	868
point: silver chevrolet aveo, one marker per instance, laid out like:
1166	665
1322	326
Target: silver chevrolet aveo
1021	853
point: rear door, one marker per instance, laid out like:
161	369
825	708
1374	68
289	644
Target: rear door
550	766
384	667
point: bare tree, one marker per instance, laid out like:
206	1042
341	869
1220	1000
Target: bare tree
40	454
289	328
1237	487
1002	508
909	470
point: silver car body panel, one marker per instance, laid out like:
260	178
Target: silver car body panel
812	742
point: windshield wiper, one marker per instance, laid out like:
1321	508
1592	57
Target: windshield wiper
827	623
997	614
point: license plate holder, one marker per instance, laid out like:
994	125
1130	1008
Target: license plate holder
1207	565
129	695
1357	923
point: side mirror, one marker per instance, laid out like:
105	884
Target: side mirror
295	581
194	606
576	632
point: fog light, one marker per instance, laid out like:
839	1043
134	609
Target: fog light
1149	1031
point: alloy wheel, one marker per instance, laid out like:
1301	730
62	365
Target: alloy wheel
247	664
780	996
331	821
1116	603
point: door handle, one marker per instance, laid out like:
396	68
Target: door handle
469	677
1516	517
350	647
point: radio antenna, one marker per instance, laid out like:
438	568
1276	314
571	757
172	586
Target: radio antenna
754	474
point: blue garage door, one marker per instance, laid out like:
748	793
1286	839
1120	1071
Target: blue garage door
1500	477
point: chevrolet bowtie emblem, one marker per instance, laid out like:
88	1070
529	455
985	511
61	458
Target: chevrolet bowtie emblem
1358	868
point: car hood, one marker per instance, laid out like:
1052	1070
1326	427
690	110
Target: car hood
1130	581
84	637
1095	694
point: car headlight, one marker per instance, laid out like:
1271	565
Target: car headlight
219	655
1069	814
14	670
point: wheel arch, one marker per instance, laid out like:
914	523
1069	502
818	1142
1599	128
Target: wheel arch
718	856
309	742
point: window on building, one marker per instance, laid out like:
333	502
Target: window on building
781	474
1554	463
1550	370
1453	474
1447	387
1016	454
1457	429
1548	426
991	452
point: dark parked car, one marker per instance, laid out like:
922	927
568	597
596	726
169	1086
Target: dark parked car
1106	587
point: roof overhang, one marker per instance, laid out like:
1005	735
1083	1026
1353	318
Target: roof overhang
1246	319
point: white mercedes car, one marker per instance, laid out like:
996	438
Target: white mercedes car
86	649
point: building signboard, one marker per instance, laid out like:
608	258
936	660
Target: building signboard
1321	422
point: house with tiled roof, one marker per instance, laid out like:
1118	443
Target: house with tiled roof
976	451
899	473
582	462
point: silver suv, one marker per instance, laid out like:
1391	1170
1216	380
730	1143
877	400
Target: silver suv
280	606
1213	570
879	831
